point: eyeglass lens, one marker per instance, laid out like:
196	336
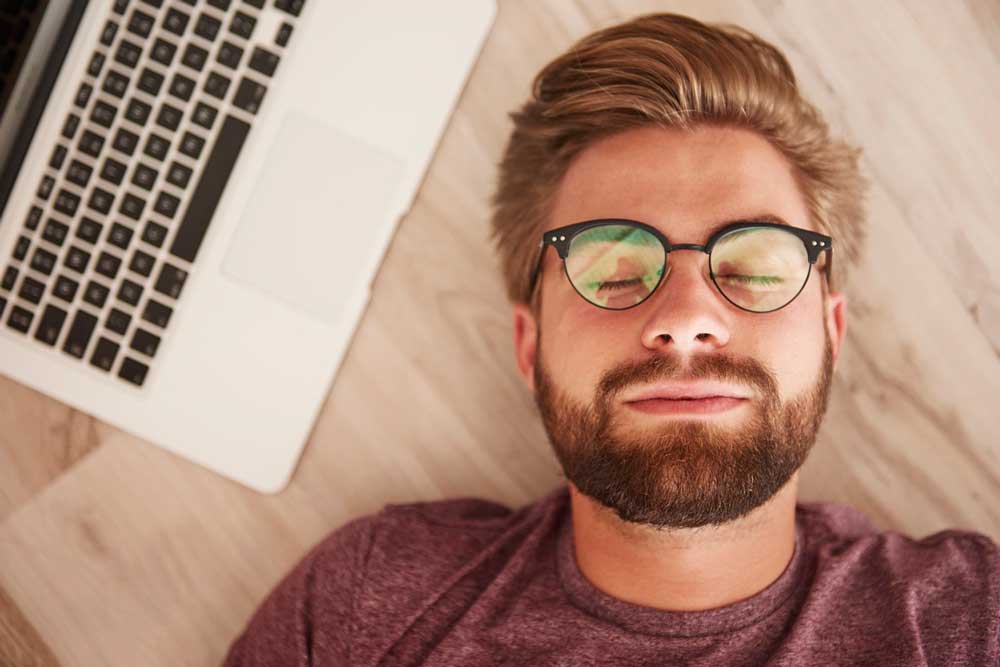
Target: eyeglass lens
618	266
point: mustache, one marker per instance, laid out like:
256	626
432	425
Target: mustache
714	367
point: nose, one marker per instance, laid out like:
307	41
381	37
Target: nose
686	314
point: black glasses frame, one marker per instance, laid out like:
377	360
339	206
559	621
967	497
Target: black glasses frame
560	238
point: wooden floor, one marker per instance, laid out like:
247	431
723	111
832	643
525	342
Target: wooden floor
114	552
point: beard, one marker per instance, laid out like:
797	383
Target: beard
676	472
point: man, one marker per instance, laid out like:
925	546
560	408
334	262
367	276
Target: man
680	337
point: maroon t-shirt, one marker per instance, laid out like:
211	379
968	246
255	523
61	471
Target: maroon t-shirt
468	582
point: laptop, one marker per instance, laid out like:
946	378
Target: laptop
196	196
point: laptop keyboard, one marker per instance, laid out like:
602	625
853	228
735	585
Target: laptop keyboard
156	125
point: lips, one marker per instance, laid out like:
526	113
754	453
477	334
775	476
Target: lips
679	391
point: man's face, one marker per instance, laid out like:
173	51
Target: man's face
684	468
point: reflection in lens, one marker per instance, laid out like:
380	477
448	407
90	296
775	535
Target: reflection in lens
615	266
760	268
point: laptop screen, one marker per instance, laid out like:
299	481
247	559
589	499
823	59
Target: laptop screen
34	38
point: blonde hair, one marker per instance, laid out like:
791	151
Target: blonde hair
674	72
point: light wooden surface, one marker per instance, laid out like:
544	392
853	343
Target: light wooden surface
114	552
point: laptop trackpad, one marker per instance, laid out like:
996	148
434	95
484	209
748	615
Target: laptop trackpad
308	233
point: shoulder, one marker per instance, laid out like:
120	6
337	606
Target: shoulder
437	534
949	568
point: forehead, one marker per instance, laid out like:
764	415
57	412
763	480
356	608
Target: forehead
683	182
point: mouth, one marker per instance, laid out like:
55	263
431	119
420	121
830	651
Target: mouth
703	405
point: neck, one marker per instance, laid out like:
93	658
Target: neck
687	569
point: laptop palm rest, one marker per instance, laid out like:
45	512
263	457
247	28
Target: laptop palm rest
306	236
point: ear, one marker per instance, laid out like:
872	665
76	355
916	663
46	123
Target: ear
836	321
525	343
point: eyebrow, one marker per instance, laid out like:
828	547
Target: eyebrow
764	217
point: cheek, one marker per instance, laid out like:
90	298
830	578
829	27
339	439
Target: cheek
795	344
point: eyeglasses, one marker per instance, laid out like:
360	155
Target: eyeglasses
757	266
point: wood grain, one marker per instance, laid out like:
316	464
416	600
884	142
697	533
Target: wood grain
113	551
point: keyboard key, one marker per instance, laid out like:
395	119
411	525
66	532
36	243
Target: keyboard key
55	232
145	342
83	95
181	87
138	111
178	175
132	206
259	4
141	23
209	189
103	113
130	292
142	263
157	313
204	115
34	217
293	7
31	290
125	141
96	64
118	321
90	143
20	319
21	249
242	25
171	280
104	354
249	95
3	305
263	61
175	21
88	230
207	27
115	83
220	4
9	278
79	334
109	32
67	203
65	289
166	204
169	117
101	200
45	188
163	52
194	57
216	85
113	171
150	82
144	176
51	325
156	147
284	33
229	55
69	127
43	261
78	173
128	54
191	145
133	371
107	265
96	294
58	157
77	259
154	233
153	3
119	235
120	6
